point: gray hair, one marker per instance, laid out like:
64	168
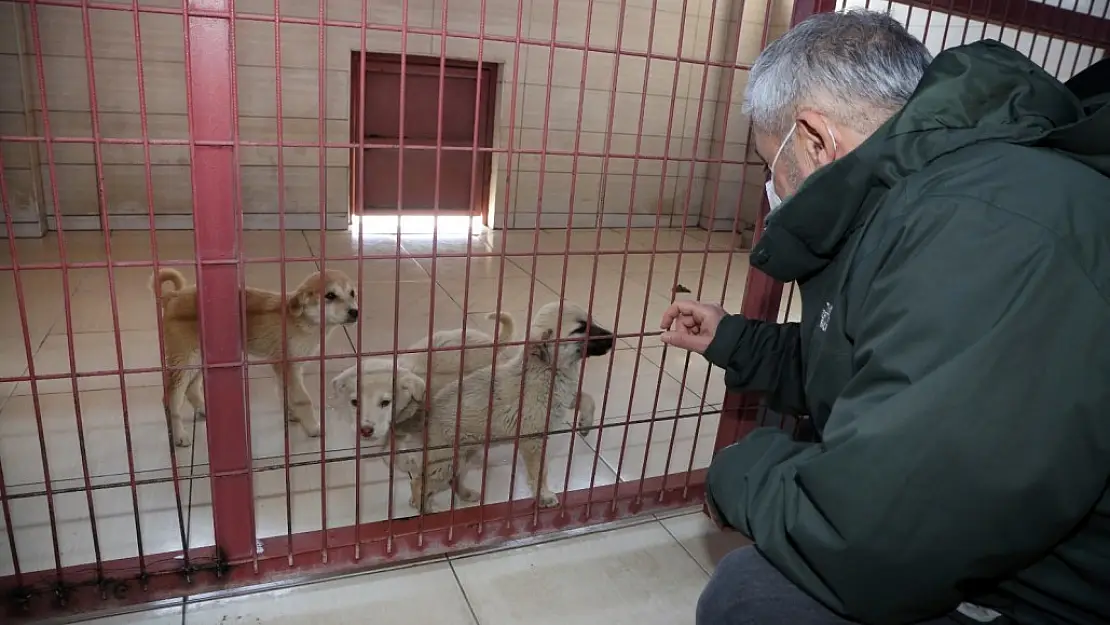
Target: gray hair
857	67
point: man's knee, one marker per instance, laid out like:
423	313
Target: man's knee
723	600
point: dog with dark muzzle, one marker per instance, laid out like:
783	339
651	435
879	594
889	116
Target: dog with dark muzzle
550	367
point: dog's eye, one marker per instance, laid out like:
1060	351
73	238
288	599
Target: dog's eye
352	293
330	296
384	403
354	402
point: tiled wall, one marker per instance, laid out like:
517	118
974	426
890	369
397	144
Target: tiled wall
688	189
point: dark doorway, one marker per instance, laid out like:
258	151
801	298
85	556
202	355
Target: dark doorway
461	191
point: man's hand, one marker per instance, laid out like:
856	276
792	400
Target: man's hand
691	325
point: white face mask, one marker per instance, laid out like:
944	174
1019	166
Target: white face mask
773	198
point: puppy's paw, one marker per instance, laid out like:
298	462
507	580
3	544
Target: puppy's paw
311	426
548	499
182	439
585	425
427	508
467	495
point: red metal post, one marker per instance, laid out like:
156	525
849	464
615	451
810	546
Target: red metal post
208	69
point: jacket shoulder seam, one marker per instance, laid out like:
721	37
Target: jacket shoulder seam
1053	237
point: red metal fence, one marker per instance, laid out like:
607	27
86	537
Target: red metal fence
231	141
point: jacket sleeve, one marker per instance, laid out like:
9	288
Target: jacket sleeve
761	356
971	440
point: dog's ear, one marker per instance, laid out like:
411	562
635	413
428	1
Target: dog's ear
413	386
295	304
339	384
542	349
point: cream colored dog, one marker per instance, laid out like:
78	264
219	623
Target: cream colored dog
265	310
387	399
550	371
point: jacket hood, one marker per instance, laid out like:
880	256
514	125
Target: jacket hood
978	93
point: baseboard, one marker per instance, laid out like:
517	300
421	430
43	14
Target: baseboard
526	221
256	221
24	229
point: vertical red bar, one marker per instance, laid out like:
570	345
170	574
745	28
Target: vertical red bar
208	67
762	295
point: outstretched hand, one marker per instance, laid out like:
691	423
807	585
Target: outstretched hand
691	325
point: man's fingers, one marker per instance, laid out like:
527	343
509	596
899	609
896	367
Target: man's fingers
689	342
680	308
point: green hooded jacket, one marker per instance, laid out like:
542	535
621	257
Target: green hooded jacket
953	355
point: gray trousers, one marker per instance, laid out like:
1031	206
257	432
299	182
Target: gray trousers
746	589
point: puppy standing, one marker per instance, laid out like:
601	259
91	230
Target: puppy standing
393	398
264	311
550	372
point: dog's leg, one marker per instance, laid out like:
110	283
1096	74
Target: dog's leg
439	479
533	461
195	394
586	413
298	405
416	491
178	381
466	459
425	486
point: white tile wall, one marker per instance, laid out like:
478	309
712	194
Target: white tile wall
670	93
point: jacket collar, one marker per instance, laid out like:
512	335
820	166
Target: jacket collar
982	92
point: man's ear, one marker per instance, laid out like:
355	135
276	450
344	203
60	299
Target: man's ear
816	138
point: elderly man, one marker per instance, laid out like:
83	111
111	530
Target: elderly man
948	222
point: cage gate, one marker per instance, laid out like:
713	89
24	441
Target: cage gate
456	159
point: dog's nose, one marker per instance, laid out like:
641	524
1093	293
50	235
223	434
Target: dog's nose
352	314
600	341
367	431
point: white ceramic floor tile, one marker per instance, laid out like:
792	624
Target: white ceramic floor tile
638	575
164	616
272	498
702	539
450	269
421	594
702	379
637	388
481	296
114	509
651	449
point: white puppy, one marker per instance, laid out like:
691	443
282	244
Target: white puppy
387	399
550	372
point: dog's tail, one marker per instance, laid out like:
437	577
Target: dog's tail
508	325
164	275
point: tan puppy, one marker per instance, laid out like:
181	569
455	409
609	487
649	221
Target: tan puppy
391	399
265	310
550	372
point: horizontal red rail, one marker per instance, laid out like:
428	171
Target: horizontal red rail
391	28
94	264
370	145
377	544
332	458
1037	17
317	358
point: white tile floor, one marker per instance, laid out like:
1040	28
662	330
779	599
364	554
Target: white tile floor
635	383
647	572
